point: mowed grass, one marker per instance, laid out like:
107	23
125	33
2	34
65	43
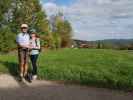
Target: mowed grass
105	68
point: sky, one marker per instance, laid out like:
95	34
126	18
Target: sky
95	19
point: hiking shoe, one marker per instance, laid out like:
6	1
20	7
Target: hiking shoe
23	80
28	77
20	78
34	77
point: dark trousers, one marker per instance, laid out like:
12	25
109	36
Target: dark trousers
34	63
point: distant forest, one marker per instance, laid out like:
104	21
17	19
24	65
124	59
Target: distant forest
121	44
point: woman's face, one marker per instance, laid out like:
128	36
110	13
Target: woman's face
33	36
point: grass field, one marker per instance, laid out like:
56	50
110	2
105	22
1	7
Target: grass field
105	68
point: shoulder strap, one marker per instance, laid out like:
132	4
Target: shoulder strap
36	42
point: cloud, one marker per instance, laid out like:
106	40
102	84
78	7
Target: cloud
51	8
98	19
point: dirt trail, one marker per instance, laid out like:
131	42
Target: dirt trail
10	89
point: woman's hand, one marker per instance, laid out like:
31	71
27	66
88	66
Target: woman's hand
37	47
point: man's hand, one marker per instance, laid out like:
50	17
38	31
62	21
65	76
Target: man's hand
26	46
30	46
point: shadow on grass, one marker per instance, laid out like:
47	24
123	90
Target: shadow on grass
13	70
12	67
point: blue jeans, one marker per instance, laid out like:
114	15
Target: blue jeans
34	63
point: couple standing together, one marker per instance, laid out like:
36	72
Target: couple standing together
28	46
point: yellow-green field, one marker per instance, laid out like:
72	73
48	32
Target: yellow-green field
105	68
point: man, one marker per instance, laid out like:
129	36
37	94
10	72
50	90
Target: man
23	42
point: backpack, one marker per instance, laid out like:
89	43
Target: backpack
37	45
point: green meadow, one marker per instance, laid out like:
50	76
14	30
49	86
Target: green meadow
102	68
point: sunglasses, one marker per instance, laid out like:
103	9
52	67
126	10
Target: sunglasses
24	28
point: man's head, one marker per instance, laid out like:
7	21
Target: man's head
24	28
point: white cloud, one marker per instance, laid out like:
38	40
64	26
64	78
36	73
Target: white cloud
98	19
51	8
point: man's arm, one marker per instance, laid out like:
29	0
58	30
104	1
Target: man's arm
24	46
21	45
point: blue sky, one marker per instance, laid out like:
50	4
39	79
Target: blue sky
60	2
96	19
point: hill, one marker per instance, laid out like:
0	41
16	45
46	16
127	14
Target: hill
106	44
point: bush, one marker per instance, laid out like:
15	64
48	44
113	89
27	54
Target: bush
7	40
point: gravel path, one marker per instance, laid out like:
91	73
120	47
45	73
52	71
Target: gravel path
10	89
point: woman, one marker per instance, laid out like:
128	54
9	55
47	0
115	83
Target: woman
34	53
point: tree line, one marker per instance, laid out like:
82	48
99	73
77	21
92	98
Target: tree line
118	44
55	32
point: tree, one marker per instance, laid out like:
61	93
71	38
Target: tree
61	31
15	12
4	6
30	12
64	29
6	39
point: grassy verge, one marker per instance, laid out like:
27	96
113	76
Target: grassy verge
106	68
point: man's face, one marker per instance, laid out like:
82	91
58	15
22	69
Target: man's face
24	29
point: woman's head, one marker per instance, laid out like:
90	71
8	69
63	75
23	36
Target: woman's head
34	35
